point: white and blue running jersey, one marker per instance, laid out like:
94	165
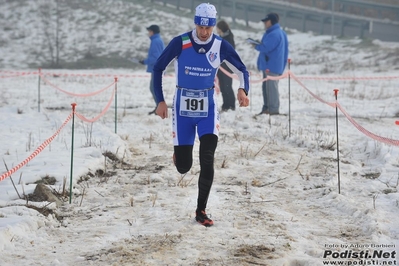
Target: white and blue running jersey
196	70
194	105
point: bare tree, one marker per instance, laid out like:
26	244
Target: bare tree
51	14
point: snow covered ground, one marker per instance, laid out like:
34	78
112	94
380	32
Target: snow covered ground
275	197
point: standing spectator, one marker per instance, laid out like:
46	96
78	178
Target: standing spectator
156	48
198	55
225	82
273	55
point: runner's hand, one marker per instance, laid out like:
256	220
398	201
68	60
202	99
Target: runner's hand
162	110
242	98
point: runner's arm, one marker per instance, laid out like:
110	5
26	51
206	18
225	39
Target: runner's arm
172	51
233	61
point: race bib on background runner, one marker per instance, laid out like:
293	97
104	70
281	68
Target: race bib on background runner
194	103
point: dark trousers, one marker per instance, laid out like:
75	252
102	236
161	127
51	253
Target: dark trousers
152	89
184	161
226	88
271	100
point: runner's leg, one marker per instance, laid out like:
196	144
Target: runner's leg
208	145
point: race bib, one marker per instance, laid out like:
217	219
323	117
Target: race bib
194	103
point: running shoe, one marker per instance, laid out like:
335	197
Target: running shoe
203	219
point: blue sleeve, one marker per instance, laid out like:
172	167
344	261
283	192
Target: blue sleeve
155	50
172	51
286	50
229	54
269	43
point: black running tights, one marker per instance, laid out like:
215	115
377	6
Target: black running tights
184	161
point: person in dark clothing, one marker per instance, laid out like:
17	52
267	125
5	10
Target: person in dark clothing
225	82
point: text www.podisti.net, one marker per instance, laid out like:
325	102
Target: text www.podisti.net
364	257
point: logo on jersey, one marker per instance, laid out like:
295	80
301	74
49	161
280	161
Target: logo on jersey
212	56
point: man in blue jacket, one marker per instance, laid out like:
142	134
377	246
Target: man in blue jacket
156	48
273	56
197	55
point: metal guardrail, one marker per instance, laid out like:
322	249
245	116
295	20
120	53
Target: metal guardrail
303	18
358	7
287	12
341	6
